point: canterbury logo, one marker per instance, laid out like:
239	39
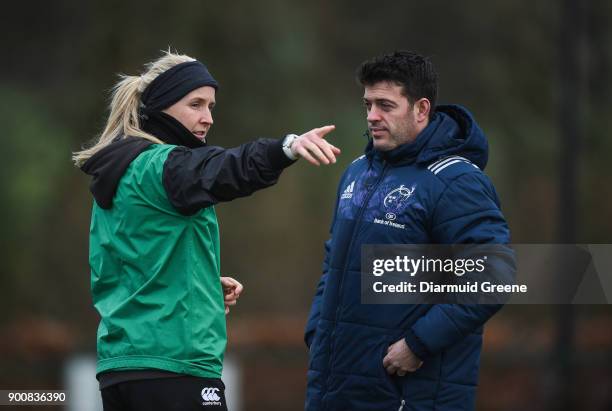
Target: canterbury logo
348	191
210	394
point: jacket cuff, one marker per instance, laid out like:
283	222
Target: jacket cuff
277	157
416	345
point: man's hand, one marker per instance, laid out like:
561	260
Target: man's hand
400	359
231	291
314	148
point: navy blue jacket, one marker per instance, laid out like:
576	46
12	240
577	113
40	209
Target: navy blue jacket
449	200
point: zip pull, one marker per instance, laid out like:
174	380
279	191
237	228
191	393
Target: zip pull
402	406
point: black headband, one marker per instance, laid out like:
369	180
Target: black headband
173	84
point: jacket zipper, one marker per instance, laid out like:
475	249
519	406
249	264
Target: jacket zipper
402	405
346	263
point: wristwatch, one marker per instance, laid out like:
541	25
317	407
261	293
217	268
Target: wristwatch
287	143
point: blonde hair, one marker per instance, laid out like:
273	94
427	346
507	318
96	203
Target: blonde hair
123	119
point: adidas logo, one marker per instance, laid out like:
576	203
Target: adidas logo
348	191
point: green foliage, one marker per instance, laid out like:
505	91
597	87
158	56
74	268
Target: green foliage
35	152
35	149
288	66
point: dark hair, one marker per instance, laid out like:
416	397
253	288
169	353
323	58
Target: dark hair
408	69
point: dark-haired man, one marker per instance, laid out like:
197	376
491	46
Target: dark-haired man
390	357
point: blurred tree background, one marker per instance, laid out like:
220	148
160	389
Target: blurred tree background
288	66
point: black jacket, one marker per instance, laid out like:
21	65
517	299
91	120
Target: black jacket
194	178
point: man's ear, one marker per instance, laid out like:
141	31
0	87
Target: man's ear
421	108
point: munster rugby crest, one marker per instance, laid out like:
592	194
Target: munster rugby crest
397	198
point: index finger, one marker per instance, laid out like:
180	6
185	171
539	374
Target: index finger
229	281
322	131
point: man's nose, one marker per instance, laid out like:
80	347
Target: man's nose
373	115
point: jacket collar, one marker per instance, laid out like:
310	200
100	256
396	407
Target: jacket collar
451	131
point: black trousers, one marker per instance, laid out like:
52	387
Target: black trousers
168	394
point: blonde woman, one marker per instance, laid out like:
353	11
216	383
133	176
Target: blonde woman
154	241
